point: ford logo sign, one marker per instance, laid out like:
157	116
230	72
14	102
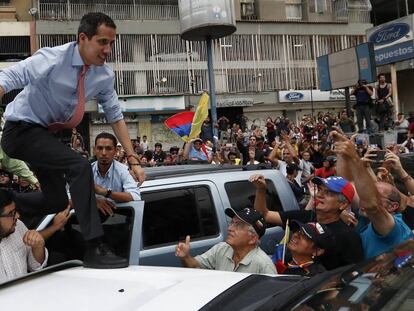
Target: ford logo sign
294	96
389	33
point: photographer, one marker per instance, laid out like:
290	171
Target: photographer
363	93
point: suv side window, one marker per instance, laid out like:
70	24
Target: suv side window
170	215
242	194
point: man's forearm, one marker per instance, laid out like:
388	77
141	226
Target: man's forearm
121	197
364	184
39	254
121	132
189	262
1	92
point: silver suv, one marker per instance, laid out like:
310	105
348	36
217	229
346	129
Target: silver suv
188	200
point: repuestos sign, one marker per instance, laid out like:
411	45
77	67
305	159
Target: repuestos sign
393	42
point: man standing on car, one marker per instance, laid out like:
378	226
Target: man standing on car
240	252
363	93
21	250
56	84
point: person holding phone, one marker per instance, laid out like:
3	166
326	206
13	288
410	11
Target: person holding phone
363	93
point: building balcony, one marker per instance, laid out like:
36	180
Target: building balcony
126	11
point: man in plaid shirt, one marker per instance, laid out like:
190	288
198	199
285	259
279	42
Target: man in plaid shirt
21	250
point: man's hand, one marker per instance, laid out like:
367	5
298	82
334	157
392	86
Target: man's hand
393	161
100	190
33	239
349	218
106	207
343	146
369	156
60	219
258	181
182	250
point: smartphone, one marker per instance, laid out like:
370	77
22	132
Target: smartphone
380	155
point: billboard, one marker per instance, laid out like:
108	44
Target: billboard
344	68
393	41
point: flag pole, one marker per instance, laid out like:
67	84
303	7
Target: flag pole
286	240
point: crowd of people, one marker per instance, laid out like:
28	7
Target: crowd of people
350	207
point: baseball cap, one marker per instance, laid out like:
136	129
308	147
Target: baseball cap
251	217
320	234
336	184
198	139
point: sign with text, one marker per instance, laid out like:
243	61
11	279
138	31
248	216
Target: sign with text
393	41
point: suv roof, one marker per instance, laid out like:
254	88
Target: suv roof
69	286
189	169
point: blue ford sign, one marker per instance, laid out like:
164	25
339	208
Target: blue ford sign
294	96
389	34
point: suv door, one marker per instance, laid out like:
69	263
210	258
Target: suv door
172	213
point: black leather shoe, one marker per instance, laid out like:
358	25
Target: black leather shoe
102	257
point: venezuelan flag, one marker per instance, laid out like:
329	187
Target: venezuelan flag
188	124
180	123
278	257
200	115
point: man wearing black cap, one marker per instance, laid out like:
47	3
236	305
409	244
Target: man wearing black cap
240	252
309	241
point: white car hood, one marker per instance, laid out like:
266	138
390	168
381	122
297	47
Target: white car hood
132	288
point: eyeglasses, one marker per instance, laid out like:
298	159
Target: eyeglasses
10	214
237	224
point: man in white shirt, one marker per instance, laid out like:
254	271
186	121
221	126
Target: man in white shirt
21	250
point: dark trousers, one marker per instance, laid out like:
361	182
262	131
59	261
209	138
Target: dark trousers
55	165
363	112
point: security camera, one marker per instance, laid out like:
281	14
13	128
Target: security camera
33	11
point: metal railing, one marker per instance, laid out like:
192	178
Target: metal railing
165	64
132	11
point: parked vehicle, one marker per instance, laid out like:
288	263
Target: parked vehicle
382	283
188	200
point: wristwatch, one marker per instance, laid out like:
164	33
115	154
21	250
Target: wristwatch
108	193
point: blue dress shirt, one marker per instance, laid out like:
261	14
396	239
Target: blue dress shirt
50	79
118	179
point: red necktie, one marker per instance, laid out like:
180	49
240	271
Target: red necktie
80	107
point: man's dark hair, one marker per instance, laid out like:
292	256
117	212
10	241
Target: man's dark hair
6	198
395	197
381	74
91	21
106	135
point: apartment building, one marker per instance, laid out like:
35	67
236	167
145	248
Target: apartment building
274	50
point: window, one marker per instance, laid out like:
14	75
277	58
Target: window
172	214
317	6
242	194
69	244
293	11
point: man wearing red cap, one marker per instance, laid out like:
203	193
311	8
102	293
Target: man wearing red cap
334	196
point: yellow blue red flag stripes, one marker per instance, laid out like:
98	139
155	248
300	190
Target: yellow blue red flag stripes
188	124
201	114
278	257
180	123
